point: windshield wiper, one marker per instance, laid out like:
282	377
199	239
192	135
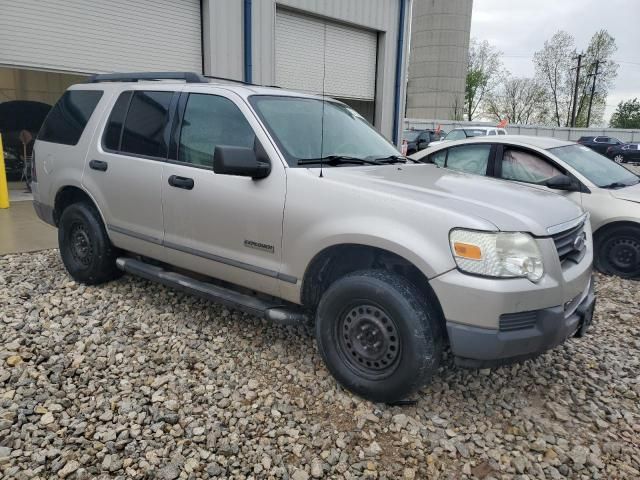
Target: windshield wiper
392	159
615	185
337	160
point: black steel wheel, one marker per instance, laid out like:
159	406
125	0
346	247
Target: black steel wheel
369	340
378	336
85	247
618	251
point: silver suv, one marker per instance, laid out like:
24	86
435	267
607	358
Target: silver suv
291	207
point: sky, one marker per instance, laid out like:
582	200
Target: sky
519	28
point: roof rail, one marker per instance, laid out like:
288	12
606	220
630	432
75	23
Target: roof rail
188	77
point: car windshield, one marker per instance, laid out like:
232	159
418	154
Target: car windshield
410	135
598	169
296	124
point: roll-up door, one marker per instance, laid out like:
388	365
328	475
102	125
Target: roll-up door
350	56
101	36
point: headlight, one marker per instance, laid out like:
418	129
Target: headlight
497	254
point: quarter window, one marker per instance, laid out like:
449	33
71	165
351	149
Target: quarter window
469	158
68	118
523	166
116	120
210	120
439	158
145	124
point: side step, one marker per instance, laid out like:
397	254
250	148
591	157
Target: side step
276	312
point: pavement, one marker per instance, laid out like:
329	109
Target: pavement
20	228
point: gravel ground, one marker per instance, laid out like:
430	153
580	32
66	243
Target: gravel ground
134	380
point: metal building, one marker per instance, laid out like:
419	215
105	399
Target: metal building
354	50
438	59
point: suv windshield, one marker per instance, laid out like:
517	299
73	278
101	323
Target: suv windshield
598	169
296	124
410	135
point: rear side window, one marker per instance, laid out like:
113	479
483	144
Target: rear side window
144	126
68	118
210	120
469	158
113	131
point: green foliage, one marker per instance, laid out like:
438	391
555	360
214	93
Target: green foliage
627	115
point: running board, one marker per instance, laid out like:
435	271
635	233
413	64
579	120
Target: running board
275	312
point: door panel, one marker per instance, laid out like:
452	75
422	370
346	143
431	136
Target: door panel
223	226
127	187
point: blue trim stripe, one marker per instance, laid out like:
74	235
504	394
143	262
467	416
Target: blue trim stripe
248	66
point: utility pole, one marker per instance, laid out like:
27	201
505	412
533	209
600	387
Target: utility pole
593	91
575	91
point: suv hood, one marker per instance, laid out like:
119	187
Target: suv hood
508	206
631	193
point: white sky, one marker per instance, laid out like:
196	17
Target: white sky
520	27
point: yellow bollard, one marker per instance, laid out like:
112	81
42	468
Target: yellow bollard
4	190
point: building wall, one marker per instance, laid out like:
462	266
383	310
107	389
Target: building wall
440	33
226	58
38	86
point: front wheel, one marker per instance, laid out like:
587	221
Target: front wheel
618	158
377	336
85	247
618	251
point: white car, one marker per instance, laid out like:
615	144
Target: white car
608	191
468	132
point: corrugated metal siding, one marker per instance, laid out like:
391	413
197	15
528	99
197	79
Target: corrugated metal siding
101	36
350	56
223	37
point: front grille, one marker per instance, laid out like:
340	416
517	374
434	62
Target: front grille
517	321
566	244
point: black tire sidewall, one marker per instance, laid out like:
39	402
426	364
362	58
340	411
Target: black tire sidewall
420	338
603	264
101	267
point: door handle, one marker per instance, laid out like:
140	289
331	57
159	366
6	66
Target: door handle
98	165
181	182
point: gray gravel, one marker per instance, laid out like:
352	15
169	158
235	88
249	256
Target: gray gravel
134	380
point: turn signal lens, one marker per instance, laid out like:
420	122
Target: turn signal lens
467	250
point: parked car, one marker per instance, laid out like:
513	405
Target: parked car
13	164
419	139
599	144
624	153
468	132
609	192
221	190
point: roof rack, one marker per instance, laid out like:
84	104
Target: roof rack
188	77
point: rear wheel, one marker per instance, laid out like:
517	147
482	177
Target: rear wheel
378	337
85	248
618	251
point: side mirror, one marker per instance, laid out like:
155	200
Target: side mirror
561	182
240	161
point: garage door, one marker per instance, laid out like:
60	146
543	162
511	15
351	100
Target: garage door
350	56
101	36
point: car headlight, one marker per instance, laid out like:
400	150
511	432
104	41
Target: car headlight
497	254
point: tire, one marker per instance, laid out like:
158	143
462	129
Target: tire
619	158
85	248
402	344
618	251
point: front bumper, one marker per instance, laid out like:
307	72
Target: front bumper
536	332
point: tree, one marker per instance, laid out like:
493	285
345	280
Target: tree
553	70
600	51
519	100
627	115
483	74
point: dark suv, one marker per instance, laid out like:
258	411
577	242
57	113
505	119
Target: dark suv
419	139
599	144
624	153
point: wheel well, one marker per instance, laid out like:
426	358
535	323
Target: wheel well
340	260
68	196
